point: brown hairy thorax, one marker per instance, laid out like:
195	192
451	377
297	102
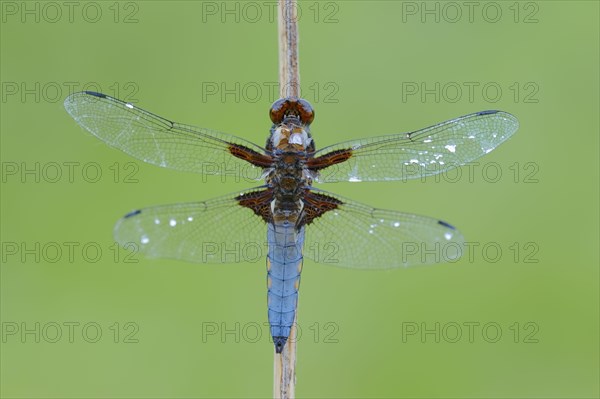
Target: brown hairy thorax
291	119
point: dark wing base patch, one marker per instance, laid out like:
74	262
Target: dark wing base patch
329	159
259	202
316	204
255	158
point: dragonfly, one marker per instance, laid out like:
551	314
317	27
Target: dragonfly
286	218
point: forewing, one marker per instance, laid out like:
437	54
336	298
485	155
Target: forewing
418	154
161	142
349	234
215	231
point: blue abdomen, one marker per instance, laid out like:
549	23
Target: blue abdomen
284	265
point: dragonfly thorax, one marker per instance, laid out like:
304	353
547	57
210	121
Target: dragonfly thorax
291	118
290	137
288	177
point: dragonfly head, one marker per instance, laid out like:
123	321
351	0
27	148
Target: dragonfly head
292	109
291	118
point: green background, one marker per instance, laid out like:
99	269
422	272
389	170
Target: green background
356	57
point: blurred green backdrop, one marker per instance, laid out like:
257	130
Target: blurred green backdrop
521	323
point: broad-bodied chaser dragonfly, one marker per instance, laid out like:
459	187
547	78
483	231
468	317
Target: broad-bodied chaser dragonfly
284	209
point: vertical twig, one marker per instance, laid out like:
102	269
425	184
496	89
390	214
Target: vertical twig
284	372
289	74
284	378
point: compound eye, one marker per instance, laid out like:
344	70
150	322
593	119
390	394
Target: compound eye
278	109
306	111
291	106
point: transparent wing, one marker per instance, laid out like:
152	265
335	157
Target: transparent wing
215	231
358	236
159	141
351	235
421	153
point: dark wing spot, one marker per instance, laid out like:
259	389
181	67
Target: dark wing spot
95	94
248	155
132	213
259	202
488	112
316	204
329	159
446	224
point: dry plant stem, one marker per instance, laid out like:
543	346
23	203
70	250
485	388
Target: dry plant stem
289	74
284	378
284	383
